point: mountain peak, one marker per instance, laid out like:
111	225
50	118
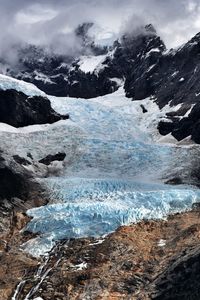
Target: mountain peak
150	29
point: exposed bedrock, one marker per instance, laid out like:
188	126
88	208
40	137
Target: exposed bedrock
18	189
14	179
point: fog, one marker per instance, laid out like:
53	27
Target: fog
51	23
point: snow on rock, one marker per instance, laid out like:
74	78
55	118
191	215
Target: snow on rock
88	64
42	77
81	266
162	243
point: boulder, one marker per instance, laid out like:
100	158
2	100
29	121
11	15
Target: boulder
50	158
12	184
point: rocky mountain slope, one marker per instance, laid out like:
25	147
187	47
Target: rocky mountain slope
139	60
99	162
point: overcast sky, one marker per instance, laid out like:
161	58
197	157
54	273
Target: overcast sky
51	22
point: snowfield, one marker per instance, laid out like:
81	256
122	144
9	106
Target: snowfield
114	166
88	64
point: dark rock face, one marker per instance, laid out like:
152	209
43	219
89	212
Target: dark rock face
182	279
50	158
14	179
12	184
19	190
180	129
145	50
165	127
170	77
19	110
21	160
173	75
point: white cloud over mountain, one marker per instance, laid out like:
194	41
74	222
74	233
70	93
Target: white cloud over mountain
52	23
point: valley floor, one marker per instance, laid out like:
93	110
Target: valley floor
149	260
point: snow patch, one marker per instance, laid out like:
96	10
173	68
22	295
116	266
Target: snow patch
162	243
81	266
152	51
42	77
175	73
118	81
88	64
189	111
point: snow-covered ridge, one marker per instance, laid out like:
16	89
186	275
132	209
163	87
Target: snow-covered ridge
7	82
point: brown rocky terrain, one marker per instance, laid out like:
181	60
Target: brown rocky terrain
14	264
149	260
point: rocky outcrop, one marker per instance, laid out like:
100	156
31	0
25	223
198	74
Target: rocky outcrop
12	184
181	128
50	158
14	179
18	188
145	51
173	76
21	160
182	277
18	110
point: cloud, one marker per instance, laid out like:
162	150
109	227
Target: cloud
52	22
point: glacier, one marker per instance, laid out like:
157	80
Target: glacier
98	208
114	168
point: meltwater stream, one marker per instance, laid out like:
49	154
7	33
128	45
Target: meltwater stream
112	172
